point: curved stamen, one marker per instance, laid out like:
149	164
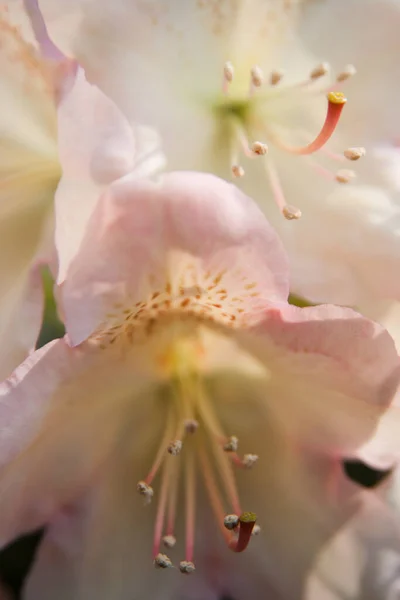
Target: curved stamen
247	522
336	102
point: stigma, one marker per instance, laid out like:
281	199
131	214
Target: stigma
245	119
194	450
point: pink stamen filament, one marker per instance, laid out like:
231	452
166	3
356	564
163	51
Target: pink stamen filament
172	497
335	106
224	465
161	452
276	187
190	505
213	493
161	510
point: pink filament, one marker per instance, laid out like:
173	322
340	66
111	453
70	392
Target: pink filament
331	120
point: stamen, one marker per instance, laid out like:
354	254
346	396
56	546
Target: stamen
344	175
146	491
336	102
237	171
213	492
256	79
160	452
231	522
169	541
191	425
229	73
161	561
354	153
276	77
288	211
172	498
249	460
187	567
319	71
232	444
223	464
259	148
348	71
174	448
190	513
161	509
247	522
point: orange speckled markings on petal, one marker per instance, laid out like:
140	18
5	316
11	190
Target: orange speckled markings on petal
202	298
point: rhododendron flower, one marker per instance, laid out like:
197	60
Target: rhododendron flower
184	365
227	82
37	79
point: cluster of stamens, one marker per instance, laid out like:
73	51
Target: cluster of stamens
240	131
191	438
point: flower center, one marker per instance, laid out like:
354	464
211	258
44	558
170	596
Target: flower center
258	116
193	437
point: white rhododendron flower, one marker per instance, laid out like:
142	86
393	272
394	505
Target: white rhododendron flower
239	88
39	89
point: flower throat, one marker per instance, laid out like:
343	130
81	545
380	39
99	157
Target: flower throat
194	442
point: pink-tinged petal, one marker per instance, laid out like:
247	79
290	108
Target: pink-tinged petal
61	413
101	546
21	319
332	374
142	236
366	554
96	146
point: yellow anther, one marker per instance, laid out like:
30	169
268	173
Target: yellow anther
337	98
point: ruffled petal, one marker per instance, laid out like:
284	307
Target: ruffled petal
143	235
332	374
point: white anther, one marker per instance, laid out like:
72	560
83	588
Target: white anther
256	530
161	561
276	77
169	541
257	76
249	460
186	566
229	71
319	71
191	425
175	447
259	148
237	171
344	175
348	71
231	522
145	490
354	153
291	213
232	444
